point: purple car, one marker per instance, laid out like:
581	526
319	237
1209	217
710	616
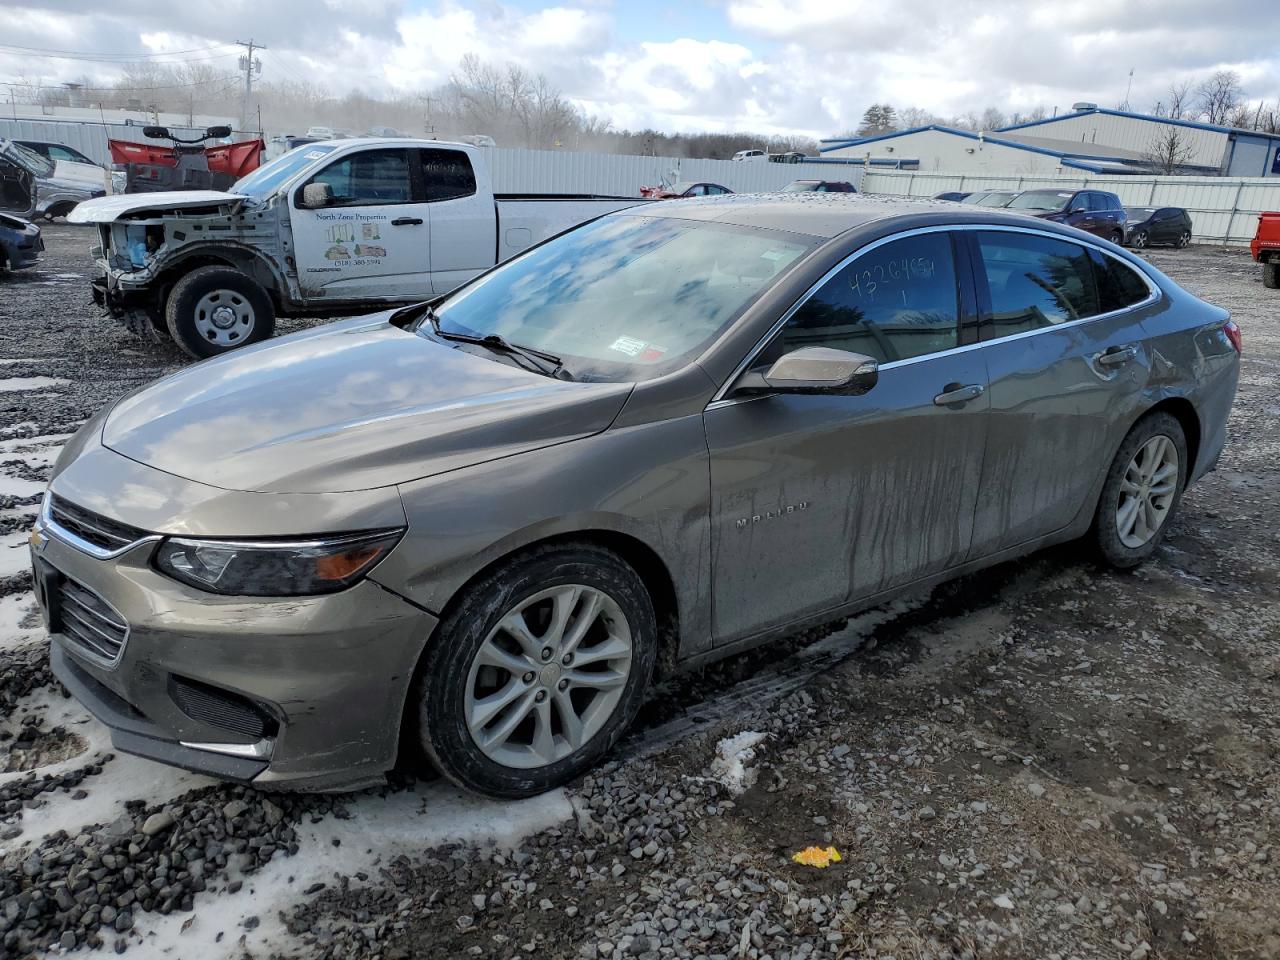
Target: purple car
20	243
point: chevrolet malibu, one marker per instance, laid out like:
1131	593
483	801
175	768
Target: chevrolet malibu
474	531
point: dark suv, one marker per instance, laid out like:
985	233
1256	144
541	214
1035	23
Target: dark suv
1095	211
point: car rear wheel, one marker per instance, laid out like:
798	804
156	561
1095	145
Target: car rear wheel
1184	239
1116	237
214	310
1142	491
537	671
1271	275
1139	239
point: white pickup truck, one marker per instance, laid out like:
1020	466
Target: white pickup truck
327	229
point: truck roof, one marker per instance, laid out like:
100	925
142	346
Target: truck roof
391	141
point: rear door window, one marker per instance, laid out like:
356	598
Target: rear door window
1119	285
1034	282
898	301
446	174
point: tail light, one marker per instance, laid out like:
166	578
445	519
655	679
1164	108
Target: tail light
1232	330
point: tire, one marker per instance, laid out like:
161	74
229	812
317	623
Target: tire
1116	237
245	307
1139	240
455	677
1184	240
1115	546
1271	275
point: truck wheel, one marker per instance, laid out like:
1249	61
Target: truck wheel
537	671
1271	275
214	310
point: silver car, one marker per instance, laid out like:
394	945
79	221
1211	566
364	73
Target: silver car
477	529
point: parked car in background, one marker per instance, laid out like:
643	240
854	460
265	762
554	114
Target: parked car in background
56	192
1147	225
58	151
321	133
742	155
819	186
683	189
791	156
474	527
955	196
1265	247
1094	211
991	198
20	243
331	228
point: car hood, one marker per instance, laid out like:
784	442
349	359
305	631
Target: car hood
352	406
107	209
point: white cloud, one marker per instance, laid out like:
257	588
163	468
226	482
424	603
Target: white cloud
808	66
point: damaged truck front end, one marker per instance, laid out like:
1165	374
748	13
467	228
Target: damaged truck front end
150	246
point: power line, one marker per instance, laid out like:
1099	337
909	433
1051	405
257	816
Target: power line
56	54
250	66
124	86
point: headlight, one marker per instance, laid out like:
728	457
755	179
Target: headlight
265	568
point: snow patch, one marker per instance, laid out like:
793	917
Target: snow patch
15	556
380	828
11	384
733	756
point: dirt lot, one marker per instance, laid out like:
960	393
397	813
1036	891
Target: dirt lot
1045	760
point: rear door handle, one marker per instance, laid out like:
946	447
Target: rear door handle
406	221
959	393
1116	356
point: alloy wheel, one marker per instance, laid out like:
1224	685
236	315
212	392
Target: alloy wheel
1139	239
224	317
1147	491
1184	238
549	676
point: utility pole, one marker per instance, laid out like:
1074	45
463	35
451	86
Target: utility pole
250	66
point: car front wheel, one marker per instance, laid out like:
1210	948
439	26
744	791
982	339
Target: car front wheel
537	670
1141	491
1139	239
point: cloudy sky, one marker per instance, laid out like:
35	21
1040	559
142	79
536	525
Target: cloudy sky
771	66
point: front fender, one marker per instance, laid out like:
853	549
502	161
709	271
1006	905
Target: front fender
648	482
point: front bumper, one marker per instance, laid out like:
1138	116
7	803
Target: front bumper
328	676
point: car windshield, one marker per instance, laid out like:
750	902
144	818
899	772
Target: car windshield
626	297
264	181
995	199
1134	214
1040	200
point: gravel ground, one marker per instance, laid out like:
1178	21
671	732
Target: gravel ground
1045	760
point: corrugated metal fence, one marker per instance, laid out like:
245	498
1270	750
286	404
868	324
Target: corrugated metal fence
1223	209
89	138
553	171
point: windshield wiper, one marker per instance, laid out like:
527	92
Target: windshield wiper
539	361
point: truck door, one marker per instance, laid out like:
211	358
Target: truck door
464	219
373	240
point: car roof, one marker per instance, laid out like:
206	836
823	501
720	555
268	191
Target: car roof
817	214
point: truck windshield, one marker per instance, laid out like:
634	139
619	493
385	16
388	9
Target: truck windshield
266	179
626	297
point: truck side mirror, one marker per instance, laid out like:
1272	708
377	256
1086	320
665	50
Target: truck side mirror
156	133
316	196
217	133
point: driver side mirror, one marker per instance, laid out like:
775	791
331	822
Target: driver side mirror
217	133
315	196
1075	210
820	370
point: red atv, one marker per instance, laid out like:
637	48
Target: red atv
184	164
1266	248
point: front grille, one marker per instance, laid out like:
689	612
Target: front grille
220	708
89	620
102	532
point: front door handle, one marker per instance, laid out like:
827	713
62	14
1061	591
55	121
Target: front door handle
1116	356
959	393
406	221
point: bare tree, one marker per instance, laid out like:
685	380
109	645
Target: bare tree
992	119
1219	96
1179	99
1170	150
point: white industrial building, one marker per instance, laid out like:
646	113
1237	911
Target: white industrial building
1088	140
